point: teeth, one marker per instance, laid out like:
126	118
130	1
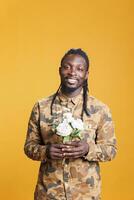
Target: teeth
72	81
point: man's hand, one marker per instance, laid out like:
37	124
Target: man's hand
54	151
75	149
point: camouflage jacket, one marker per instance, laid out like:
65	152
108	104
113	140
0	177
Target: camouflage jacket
76	179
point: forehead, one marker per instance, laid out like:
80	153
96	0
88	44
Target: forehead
74	58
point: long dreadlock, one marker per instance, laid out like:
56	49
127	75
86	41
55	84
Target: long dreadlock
85	85
54	97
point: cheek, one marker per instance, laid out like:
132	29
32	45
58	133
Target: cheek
62	74
83	76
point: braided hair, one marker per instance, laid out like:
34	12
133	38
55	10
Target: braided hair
85	85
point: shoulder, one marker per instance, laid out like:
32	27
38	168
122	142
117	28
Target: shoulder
95	105
46	101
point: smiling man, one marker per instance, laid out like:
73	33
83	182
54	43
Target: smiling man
70	171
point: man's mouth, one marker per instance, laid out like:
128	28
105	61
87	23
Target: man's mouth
71	81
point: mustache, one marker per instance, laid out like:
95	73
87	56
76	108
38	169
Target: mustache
71	77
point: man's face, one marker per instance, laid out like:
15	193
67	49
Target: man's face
73	72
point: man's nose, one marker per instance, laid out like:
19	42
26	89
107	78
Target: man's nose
72	71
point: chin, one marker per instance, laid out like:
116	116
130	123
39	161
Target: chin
70	88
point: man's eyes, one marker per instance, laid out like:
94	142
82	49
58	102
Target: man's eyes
66	67
78	68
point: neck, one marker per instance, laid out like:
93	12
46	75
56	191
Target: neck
70	92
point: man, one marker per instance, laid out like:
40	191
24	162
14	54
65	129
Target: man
78	177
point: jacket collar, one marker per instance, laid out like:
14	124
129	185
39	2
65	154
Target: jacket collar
75	100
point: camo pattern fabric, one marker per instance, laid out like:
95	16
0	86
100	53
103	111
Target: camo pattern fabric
73	179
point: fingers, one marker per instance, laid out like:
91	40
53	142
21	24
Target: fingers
58	146
74	146
75	149
73	143
54	151
72	149
72	152
56	156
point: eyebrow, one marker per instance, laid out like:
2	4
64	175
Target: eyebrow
71	64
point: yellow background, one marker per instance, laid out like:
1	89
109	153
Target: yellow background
34	35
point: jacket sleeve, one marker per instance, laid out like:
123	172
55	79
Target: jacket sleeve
103	148
34	147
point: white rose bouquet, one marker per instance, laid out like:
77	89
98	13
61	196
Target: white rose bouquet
69	128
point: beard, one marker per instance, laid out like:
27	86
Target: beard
68	89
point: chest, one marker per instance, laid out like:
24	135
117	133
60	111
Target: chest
47	121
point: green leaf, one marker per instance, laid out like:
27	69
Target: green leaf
66	139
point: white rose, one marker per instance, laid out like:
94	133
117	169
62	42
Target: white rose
68	117
64	129
78	123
